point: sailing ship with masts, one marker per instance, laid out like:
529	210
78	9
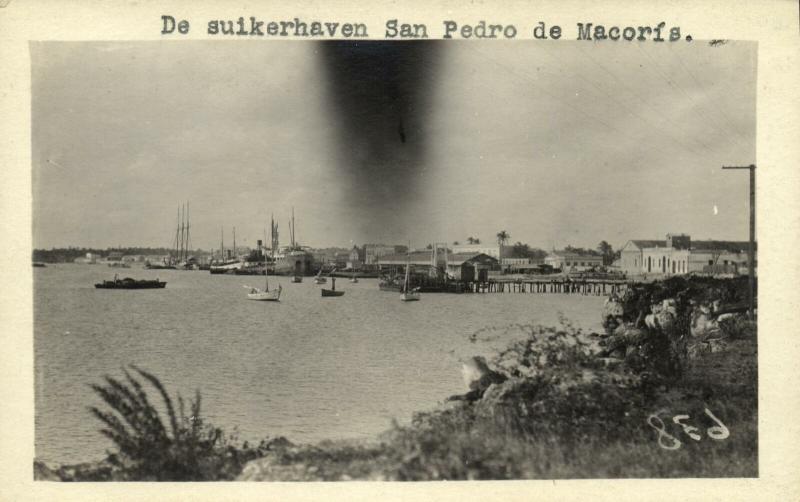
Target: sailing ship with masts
227	263
180	258
183	244
293	260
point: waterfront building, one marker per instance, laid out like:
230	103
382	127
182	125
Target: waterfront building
341	259
498	251
470	267
355	260
89	259
678	254
568	260
459	266
419	258
373	252
520	265
631	259
332	256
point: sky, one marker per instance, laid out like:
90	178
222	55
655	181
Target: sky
558	143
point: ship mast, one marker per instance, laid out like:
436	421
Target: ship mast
222	245
234	243
273	235
408	262
177	234
291	229
188	241
183	231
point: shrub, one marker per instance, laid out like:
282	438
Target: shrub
185	449
564	413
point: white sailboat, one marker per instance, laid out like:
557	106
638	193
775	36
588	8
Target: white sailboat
266	295
409	295
354	279
318	279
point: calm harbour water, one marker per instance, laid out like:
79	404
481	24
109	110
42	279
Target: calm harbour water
308	368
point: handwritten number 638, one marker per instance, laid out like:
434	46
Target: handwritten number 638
670	442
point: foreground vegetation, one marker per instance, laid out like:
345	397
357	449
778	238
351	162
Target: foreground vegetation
565	410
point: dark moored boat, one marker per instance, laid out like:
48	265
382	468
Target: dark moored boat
331	292
158	266
250	271
128	283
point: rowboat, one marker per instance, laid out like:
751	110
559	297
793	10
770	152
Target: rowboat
332	292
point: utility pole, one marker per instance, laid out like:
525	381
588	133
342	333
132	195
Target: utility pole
751	254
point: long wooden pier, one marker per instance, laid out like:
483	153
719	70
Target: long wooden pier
597	287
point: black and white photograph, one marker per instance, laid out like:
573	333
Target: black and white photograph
394	261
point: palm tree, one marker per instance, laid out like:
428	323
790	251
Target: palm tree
502	237
471	240
607	251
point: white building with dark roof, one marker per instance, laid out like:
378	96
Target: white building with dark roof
567	260
678	254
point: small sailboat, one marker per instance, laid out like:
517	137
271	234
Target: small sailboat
354	279
332	291
409	295
318	279
266	295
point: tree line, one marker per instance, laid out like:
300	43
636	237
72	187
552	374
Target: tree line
69	254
